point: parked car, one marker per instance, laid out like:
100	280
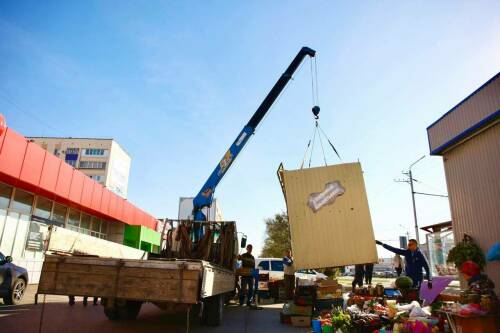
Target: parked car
274	266
13	281
385	274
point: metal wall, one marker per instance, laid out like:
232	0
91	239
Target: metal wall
473	179
478	106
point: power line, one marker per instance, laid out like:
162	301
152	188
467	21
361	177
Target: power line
9	100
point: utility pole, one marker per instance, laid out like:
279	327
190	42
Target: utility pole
410	181
414	207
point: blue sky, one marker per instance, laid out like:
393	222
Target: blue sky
174	83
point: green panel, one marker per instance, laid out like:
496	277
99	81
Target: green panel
150	236
146	246
132	236
142	238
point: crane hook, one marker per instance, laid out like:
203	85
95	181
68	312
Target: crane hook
315	111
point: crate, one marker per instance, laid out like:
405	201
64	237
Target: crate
328	283
328	304
301	321
334	291
303	300
285	318
298	310
305	290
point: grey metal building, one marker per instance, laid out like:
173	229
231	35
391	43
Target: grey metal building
468	139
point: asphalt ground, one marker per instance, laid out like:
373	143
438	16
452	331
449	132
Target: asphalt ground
55	315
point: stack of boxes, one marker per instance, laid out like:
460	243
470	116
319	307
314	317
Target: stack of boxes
328	295
299	311
311	300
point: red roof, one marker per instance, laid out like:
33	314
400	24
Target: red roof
26	165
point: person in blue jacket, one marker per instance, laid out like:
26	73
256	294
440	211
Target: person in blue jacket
414	262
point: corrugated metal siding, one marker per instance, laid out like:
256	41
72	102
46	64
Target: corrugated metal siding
473	179
468	113
337	234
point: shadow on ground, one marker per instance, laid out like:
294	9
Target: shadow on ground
60	317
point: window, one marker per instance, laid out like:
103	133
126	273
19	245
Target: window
277	265
22	202
96	224
94	152
73	219
92	165
72	151
5	193
97	178
85	222
104	229
264	265
43	208
72	163
59	214
56	151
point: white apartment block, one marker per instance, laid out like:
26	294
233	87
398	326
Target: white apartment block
101	159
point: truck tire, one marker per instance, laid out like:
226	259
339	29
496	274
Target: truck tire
130	310
122	310
213	307
112	313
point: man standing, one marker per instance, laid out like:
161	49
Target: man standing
398	264
368	273
247	261
289	274
414	262
359	272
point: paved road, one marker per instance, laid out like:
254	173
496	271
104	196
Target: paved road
60	317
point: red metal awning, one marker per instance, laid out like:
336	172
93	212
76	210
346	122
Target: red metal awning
27	166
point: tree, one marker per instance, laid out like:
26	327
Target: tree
277	236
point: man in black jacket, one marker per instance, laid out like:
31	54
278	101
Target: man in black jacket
247	261
414	262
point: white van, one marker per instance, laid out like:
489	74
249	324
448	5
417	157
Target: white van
274	266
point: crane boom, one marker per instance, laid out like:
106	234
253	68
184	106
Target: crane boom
204	197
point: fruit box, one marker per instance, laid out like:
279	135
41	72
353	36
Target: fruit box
301	321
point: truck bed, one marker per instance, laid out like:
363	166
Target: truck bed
176	281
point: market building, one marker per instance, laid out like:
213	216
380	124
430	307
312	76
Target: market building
468	139
38	189
103	160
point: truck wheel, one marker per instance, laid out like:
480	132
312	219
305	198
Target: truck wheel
130	310
122	309
213	309
112	313
16	293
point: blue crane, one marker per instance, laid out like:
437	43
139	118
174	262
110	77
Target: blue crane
204	197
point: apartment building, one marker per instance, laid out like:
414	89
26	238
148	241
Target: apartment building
103	160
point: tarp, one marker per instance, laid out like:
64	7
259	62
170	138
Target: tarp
439	283
330	223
